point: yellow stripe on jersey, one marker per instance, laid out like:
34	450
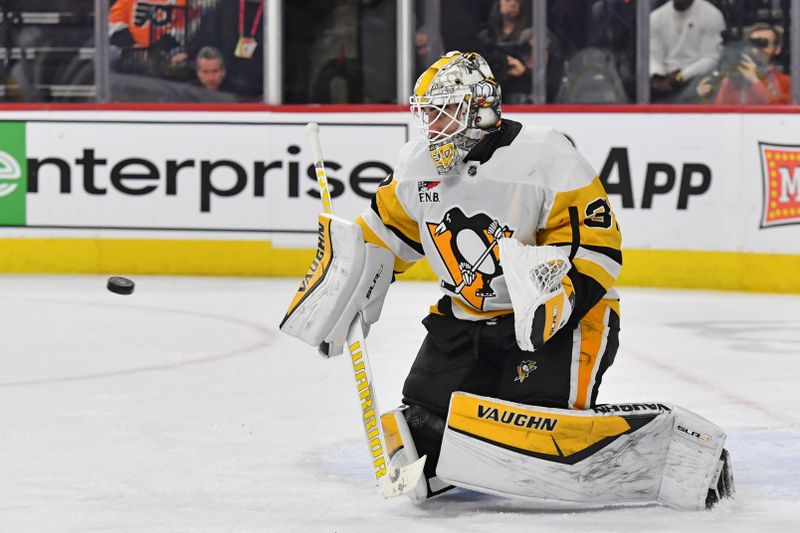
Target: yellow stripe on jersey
597	230
594	271
529	429
597	222
393	213
373	238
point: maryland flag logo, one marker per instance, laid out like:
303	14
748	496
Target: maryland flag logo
780	172
468	248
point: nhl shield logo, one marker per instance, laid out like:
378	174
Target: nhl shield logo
780	171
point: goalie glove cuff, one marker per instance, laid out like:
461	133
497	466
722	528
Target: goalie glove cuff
551	315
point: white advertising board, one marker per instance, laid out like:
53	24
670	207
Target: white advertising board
677	181
770	179
667	176
202	176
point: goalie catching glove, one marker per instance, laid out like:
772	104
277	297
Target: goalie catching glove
541	294
347	277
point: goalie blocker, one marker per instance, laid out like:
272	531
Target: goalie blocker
346	277
612	454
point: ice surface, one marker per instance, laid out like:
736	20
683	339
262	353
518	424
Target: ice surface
181	408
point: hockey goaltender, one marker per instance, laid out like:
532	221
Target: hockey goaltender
501	396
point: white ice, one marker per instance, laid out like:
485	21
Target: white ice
182	408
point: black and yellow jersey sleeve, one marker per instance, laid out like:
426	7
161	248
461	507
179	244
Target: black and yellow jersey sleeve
387	223
582	221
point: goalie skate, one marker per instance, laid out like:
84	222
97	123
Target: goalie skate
723	488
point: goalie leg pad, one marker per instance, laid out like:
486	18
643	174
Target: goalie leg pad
347	276
613	454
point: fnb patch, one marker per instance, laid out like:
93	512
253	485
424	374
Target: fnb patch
426	192
780	172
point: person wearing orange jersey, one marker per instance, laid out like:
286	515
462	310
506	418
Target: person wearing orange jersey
147	24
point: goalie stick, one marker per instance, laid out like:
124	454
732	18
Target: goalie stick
391	481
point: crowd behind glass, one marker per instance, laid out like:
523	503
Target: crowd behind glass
346	51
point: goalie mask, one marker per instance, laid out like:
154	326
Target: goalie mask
455	103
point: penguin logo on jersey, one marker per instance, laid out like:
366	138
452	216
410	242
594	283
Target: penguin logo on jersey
524	370
468	248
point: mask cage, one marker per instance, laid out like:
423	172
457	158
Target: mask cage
437	109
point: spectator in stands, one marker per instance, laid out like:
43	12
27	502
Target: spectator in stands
507	46
612	27
155	33
210	69
219	28
423	56
755	79
422	49
685	38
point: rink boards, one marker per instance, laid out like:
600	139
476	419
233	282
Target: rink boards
703	200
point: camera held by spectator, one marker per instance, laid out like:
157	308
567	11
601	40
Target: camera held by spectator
747	73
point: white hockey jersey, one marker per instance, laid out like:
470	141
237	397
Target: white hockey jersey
529	181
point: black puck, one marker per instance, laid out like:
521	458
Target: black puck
120	285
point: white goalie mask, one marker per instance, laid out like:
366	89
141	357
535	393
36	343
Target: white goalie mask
456	102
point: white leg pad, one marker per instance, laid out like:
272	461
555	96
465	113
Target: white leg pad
629	453
692	462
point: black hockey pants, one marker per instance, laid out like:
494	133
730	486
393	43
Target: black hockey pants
483	358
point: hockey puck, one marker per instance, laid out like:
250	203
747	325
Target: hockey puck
120	285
